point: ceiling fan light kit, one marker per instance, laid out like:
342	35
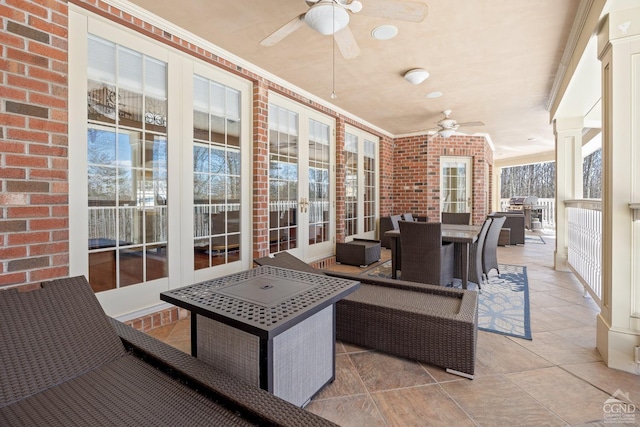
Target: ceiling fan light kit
416	76
327	17
446	133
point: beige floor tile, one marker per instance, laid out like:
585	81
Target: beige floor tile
500	354
546	319
495	401
571	398
584	337
583	314
379	371
348	411
608	380
420	406
558	350
347	380
543	299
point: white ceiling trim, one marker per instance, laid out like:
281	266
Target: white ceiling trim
180	32
576	30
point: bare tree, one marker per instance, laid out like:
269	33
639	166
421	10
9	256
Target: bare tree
592	175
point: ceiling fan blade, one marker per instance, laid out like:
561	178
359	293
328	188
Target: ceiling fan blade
347	44
396	9
468	124
283	31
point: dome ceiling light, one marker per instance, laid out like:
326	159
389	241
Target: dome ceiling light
327	17
416	76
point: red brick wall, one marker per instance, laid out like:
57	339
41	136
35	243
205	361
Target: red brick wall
416	177
33	142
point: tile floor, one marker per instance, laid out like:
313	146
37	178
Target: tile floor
558	378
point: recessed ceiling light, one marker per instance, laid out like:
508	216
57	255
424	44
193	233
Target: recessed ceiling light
432	95
384	32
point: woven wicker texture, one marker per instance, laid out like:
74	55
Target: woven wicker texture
286	260
358	252
51	335
515	222
425	258
388	223
224	388
475	255
456	218
417	324
63	364
490	249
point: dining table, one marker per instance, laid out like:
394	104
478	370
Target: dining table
461	235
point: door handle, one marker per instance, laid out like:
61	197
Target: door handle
304	205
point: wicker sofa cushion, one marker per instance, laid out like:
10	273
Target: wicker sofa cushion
63	362
51	335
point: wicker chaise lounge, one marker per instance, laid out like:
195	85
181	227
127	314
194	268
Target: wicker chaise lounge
63	362
428	323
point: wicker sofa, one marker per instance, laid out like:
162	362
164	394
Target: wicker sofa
65	363
515	223
431	324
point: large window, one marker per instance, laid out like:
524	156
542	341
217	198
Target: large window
127	166
216	173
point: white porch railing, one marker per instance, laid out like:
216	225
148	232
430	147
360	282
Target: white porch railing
585	243
548	219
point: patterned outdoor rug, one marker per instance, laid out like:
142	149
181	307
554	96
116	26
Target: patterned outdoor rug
534	239
503	302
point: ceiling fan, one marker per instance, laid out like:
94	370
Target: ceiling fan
331	17
448	126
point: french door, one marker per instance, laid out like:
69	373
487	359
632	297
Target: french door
455	184
160	183
301	180
361	183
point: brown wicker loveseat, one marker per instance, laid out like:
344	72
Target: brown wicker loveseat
428	323
63	362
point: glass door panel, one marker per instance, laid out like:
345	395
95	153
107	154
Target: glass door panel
361	196
216	174
126	166
319	182
283	179
455	184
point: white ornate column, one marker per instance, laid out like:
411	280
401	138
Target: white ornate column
568	133
619	320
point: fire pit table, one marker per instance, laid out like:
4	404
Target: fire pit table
271	327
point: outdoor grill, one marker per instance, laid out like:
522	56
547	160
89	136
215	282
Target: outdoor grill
529	206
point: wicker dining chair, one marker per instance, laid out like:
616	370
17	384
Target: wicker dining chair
476	275
490	249
456	218
407	217
425	258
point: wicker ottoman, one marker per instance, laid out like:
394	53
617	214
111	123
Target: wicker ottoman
431	324
360	252
505	237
